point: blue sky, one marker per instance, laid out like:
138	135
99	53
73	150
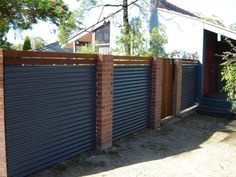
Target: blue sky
223	9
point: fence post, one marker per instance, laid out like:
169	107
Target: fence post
177	87
104	101
3	160
156	95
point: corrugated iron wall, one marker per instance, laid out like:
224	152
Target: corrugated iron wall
132	91
50	115
189	85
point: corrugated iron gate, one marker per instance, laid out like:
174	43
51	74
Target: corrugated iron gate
189	85
132	91
50	115
167	88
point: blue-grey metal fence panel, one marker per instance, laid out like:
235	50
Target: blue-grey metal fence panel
189	85
132	92
50	115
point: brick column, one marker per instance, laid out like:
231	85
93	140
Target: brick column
156	95
3	161
104	103
177	87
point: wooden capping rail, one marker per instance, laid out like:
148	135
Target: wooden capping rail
131	57
41	58
34	54
132	60
186	61
47	61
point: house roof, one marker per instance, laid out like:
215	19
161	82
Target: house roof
168	6
87	32
219	30
162	4
54	47
207	25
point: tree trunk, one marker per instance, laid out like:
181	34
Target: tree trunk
126	27
153	21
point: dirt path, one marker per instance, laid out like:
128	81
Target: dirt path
192	146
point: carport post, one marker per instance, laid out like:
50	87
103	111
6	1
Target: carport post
3	160
156	94
177	87
104	101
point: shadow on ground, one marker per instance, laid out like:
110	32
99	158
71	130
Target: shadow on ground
176	136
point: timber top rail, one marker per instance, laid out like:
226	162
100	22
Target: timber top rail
132	60
32	57
42	58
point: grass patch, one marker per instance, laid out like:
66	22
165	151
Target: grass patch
166	130
92	164
163	148
148	145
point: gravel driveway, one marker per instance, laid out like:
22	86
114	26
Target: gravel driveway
189	146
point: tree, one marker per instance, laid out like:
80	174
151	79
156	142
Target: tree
127	31
27	45
228	74
16	47
134	38
158	39
153	21
38	42
141	46
126	27
20	15
89	48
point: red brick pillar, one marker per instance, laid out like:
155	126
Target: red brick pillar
104	103
156	95
177	87
3	161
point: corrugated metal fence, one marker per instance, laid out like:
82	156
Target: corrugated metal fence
50	114
50	104
189	85
132	91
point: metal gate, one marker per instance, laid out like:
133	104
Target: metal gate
189	85
50	115
132	91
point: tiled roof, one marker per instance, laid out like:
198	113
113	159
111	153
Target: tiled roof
168	6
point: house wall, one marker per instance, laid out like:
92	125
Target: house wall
184	33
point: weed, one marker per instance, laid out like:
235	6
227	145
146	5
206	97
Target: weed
166	130
163	148
148	145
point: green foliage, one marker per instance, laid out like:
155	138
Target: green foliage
16	47
89	48
38	42
141	46
20	15
73	21
229	73
184	54
27	45
158	39
67	26
134	38
137	41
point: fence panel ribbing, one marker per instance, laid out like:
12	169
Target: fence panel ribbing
50	114
189	85
132	94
